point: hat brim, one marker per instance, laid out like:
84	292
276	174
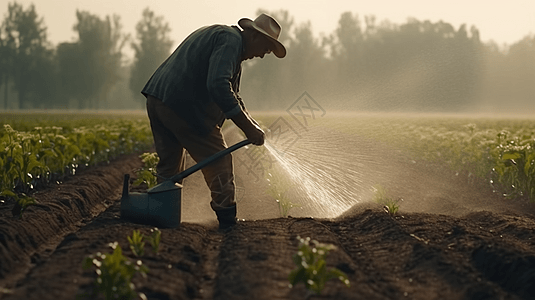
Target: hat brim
279	50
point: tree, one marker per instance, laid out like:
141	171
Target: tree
25	44
306	63
43	88
69	63
266	80
348	47
520	72
99	57
6	61
152	48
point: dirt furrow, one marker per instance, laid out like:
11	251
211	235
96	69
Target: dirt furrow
70	279
61	210
182	268
254	261
401	257
412	255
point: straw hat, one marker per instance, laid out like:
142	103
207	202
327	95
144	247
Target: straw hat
270	28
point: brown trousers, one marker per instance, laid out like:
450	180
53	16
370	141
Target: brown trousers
173	137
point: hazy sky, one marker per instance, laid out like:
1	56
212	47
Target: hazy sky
498	20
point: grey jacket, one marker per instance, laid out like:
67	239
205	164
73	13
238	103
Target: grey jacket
200	80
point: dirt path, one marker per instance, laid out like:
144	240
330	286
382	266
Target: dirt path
459	251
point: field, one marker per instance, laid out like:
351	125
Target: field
464	228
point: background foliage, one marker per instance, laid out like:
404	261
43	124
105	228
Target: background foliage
365	64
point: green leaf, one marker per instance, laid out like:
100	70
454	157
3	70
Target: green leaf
88	262
514	155
296	276
297	259
340	275
48	153
32	164
8	193
528	167
73	150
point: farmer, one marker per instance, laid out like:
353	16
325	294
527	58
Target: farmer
192	93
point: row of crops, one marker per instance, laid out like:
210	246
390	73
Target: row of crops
41	148
499	150
37	149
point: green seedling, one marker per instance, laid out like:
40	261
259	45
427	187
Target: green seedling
285	206
137	245
390	205
115	273
21	204
147	174
311	268
154	239
278	189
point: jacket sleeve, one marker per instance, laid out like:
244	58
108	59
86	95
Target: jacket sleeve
222	67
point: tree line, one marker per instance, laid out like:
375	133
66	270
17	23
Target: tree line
363	65
380	66
90	73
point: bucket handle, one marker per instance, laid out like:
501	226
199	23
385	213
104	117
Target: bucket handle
176	178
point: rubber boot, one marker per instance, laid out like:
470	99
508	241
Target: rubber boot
226	217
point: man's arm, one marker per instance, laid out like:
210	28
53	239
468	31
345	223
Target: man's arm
242	104
223	64
252	131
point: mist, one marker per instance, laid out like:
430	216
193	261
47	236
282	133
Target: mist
418	66
365	65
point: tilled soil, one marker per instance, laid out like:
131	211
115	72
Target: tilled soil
410	255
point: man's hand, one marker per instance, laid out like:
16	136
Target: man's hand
256	136
252	131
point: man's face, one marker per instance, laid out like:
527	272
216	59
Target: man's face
258	46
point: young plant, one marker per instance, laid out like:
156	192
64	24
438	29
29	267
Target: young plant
21	204
278	190
311	268
137	245
390	205
115	273
147	174
285	206
154	239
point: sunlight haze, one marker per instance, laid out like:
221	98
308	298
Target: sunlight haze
502	22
